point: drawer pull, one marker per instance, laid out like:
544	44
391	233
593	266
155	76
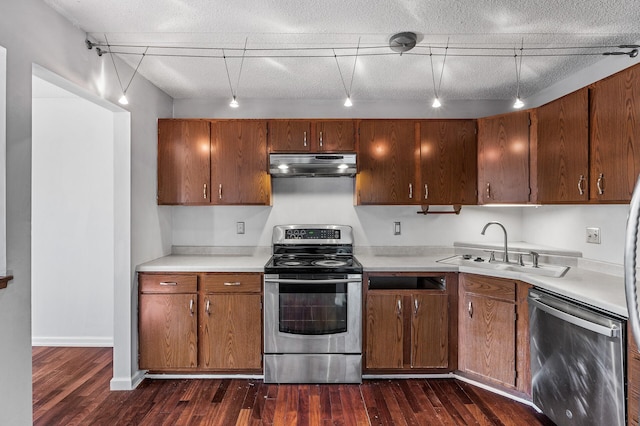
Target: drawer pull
470	310
232	283
191	307
169	283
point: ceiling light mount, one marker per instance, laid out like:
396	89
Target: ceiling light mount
403	42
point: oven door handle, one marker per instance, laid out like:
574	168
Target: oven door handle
301	281
588	325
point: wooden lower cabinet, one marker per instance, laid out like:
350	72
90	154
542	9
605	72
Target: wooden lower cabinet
168	331
494	332
231	322
408	328
200	322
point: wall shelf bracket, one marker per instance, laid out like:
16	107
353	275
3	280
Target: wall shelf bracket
456	210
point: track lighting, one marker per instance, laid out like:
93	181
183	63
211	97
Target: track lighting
348	102
436	91
234	102
518	103
123	99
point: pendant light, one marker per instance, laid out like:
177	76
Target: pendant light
436	101
518	104
348	102
234	101
123	99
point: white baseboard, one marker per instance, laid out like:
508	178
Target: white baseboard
98	342
127	383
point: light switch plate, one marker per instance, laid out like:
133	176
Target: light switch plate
396	228
593	235
239	227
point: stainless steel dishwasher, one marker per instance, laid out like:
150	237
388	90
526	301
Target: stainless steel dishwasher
577	362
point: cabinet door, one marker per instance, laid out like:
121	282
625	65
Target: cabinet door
240	162
385	336
289	135
184	162
563	149
336	135
615	136
168	331
389	154
232	331
503	158
448	161
429	331
487	338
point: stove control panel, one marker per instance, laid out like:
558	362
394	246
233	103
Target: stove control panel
312	234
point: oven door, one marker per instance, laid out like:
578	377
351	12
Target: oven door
313	314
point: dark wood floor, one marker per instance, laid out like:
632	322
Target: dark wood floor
71	387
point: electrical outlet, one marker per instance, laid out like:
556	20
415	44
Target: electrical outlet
239	227
593	235
396	228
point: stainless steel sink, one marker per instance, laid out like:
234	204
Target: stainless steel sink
543	269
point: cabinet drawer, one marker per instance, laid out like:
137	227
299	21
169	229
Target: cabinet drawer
232	283
168	283
495	288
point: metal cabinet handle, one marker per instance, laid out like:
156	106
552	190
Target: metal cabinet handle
410	190
204	191
470	309
320	139
600	184
488	190
304	139
220	192
399	307
191	307
580	186
416	305
426	191
169	283
232	283
207	307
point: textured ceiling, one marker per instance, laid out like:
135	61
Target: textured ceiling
319	26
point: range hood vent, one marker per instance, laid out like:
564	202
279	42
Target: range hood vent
312	165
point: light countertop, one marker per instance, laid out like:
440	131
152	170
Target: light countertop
593	283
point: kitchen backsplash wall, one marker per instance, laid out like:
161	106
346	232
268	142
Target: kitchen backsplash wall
565	226
330	200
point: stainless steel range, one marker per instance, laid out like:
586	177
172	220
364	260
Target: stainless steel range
313	306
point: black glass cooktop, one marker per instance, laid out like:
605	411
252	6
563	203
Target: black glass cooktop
313	263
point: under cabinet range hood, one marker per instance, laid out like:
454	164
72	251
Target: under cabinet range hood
312	165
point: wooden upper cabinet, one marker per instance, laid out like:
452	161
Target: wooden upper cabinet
184	161
312	136
290	135
388	158
503	158
448	162
239	165
563	149
615	136
335	135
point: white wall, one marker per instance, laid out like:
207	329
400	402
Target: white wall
72	220
33	33
3	160
330	200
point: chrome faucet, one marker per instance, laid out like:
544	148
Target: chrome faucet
506	252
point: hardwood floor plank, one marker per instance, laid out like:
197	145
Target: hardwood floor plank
71	387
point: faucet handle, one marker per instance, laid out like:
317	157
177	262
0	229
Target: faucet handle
520	261
492	256
534	258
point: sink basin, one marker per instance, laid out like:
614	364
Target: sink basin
546	270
